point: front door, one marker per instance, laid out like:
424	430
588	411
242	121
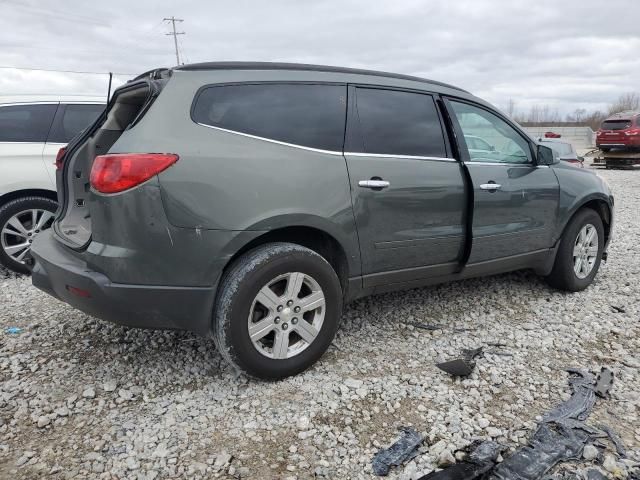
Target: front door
408	193
515	201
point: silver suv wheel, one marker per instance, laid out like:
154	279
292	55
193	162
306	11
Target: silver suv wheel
18	232
585	251
286	315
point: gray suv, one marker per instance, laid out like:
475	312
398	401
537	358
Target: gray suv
250	201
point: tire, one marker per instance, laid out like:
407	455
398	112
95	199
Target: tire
605	149
286	345
10	236
564	276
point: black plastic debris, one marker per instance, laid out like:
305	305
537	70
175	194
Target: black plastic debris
615	439
561	436
463	366
550	445
619	309
604	381
481	459
403	449
581	401
594	474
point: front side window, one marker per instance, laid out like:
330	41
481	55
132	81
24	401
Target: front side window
71	120
399	123
300	114
501	142
26	123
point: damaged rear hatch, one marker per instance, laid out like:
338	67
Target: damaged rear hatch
129	104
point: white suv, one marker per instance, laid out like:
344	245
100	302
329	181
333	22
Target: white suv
32	131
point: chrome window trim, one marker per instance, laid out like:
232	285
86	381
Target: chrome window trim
270	140
505	164
408	157
329	152
22	104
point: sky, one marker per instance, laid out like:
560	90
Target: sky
567	54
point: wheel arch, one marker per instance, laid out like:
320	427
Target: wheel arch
28	192
600	206
313	238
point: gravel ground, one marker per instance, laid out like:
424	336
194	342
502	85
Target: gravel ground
81	398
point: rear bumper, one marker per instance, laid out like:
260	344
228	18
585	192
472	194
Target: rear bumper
59	272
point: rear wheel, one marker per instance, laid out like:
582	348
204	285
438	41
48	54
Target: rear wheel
277	310
605	149
21	220
580	252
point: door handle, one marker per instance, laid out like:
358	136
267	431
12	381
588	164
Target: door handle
492	187
373	183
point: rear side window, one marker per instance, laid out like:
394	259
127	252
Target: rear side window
301	114
399	123
72	119
26	123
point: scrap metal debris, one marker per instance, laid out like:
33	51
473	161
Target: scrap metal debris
403	449
560	436
463	366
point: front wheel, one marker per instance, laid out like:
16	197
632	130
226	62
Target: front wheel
277	310
580	252
21	220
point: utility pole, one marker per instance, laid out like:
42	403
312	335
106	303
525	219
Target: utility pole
175	34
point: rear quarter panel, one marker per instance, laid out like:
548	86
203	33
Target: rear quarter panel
229	182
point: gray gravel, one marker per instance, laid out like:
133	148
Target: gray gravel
81	398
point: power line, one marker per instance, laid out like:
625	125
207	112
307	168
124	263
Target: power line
175	34
64	71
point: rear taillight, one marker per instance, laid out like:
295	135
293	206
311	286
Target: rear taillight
121	171
60	158
633	131
599	132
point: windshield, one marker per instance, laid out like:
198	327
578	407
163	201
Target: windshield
616	124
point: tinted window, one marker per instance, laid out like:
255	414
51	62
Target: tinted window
308	115
616	124
71	120
26	123
503	143
399	123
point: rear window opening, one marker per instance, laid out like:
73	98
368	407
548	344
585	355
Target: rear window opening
73	226
616	124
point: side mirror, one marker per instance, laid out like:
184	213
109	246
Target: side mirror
492	148
545	155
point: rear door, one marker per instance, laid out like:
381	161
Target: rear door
23	132
515	201
408	192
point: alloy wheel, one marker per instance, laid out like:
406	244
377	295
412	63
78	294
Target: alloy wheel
585	251
287	315
18	232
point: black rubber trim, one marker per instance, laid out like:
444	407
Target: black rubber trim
305	67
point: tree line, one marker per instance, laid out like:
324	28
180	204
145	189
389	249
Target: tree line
545	115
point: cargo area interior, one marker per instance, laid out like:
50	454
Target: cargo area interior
74	224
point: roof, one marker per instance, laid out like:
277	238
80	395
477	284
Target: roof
626	115
304	67
48	98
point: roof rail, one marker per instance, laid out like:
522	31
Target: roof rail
304	67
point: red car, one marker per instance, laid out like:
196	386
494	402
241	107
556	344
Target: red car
620	130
